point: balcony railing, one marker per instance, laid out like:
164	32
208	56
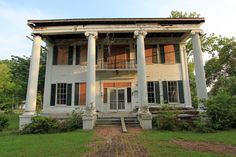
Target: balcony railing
116	64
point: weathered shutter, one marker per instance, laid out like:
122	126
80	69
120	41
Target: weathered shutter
77	60
69	92
104	95
53	94
165	92
177	53
70	55
157	92
76	101
181	91
154	54
54	57
96	54
162	54
129	95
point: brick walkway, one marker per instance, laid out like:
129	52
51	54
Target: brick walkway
111	142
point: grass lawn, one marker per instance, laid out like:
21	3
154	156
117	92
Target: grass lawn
42	145
70	144
158	143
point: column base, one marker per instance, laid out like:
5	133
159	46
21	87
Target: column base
89	121
145	120
24	119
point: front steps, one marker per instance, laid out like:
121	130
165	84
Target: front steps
124	122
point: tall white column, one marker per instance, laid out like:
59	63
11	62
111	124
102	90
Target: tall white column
145	117
142	85
89	117
31	97
199	68
91	69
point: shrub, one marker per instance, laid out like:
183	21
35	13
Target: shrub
3	122
202	124
41	125
221	111
72	123
50	125
184	125
167	118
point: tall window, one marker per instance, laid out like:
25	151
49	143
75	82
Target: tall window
63	55
169	53
151	92
61	93
172	91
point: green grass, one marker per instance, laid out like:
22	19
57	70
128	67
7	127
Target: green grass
158	142
42	145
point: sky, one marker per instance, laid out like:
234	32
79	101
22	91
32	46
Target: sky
220	16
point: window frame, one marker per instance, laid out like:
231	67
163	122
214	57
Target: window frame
153	92
64	94
177	90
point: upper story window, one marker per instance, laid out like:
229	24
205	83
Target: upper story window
169	53
63	55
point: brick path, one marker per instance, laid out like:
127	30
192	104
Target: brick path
111	142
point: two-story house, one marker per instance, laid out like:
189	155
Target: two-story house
108	65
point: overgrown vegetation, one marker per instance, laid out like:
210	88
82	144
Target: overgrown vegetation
42	125
3	122
221	111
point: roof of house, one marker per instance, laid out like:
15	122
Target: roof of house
102	21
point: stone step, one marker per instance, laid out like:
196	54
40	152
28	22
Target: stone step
108	121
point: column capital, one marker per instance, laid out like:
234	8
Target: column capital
194	32
93	34
138	33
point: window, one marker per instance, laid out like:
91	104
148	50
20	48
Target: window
169	53
61	93
151	54
129	95
63	55
151	92
172	91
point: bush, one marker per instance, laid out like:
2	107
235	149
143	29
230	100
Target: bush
202	124
3	122
167	118
41	125
73	123
50	125
221	111
184	125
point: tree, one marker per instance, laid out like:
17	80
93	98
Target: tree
180	14
7	87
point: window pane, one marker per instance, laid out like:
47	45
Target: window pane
61	93
172	91
151	94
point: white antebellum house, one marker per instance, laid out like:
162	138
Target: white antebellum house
110	65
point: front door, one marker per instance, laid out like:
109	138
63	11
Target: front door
117	99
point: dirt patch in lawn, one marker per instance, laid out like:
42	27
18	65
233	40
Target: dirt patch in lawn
114	143
207	147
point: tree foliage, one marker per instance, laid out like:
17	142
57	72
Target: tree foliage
180	14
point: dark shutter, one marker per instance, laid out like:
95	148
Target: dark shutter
96	54
162	54
70	55
129	95
177	53
154	54
77	61
54	57
53	94
165	92
105	53
157	92
181	91
104	95
136	55
69	92
76	101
